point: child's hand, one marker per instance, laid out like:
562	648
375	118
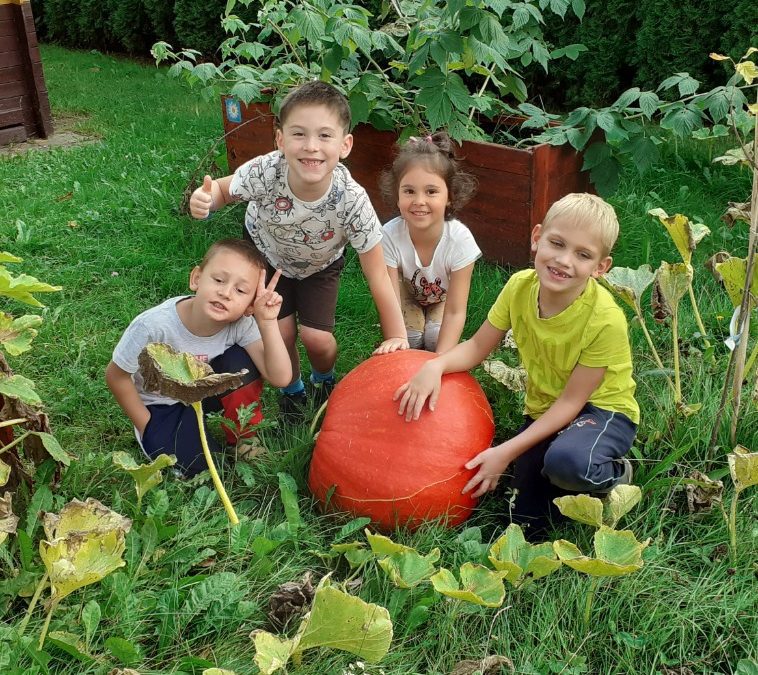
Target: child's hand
425	384
392	344
267	301
201	200
492	462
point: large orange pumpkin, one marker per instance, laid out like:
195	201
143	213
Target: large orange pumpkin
398	472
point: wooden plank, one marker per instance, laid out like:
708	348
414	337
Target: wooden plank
9	89
13	135
7	26
9	43
9	59
34	74
11	118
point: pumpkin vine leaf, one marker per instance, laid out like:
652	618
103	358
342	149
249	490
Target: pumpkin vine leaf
8	519
146	476
598	512
337	620
84	544
523	562
478	584
743	467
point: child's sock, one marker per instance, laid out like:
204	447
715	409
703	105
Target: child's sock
297	387
321	378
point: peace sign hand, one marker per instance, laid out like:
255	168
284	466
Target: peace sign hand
267	302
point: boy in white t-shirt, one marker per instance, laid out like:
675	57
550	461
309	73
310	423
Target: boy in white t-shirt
230	323
303	208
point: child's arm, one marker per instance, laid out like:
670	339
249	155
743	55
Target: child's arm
122	386
426	383
492	462
455	309
269	354
210	196
387	304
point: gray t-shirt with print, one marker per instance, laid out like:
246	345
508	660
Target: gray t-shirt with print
162	324
302	238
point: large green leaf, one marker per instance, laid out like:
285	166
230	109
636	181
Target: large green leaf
20	388
629	284
673	280
581	508
732	272
478	585
618	502
686	234
382	545
6	257
743	466
146	476
21	287
337	620
53	448
71	644
84	544
181	376
409	568
617	552
522	561
16	335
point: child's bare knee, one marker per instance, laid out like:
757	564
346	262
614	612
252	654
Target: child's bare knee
316	341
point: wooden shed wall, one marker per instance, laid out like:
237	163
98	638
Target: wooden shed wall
24	106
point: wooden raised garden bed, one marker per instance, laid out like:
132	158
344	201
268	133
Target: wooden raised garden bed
24	106
516	186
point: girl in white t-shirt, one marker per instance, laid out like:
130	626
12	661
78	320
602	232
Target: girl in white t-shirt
429	254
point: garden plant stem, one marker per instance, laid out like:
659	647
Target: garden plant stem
197	407
32	604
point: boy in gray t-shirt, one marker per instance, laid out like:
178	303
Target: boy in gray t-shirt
216	325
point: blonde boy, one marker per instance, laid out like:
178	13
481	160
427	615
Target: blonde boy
303	208
580	413
231	323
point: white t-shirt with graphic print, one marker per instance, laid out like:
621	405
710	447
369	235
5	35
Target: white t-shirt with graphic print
428	284
302	238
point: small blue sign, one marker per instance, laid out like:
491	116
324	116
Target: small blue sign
233	110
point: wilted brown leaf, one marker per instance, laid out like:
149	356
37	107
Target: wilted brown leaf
181	376
661	310
8	520
490	665
701	496
737	211
290	601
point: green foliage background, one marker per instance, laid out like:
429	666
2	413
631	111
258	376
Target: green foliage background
630	42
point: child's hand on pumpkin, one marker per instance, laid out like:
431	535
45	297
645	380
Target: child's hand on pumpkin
267	302
491	462
201	201
425	384
392	344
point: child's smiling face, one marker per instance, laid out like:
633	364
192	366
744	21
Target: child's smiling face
566	254
313	141
422	198
225	287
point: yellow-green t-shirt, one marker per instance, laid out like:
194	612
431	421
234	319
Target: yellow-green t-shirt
591	332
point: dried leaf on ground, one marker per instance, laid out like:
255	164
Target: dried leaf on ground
703	494
512	378
737	211
290	601
491	665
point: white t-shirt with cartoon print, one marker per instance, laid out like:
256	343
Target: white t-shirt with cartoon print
302	238
428	284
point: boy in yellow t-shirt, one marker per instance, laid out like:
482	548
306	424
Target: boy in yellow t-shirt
580	413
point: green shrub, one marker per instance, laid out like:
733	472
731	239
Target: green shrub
130	25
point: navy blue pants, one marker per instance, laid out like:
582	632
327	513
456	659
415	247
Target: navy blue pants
578	459
172	429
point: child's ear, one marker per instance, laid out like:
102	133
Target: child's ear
536	234
194	280
279	140
603	267
347	146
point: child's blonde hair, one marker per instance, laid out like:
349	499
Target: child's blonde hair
583	208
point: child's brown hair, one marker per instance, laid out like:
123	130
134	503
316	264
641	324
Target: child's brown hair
315	92
240	246
436	152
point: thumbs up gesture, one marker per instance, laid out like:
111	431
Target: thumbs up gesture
201	201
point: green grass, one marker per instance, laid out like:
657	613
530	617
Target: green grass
102	221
